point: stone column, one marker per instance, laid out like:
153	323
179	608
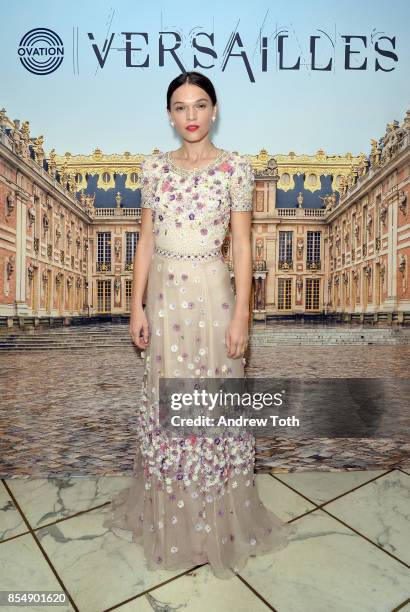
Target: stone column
21	307
390	303
259	302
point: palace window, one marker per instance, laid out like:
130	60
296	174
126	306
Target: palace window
312	180
364	225
353	241
131	241
103	251
284	293
103	296
128	291
285	247
285	179
312	294
313	247
378	202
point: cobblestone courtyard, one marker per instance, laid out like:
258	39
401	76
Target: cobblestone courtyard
72	413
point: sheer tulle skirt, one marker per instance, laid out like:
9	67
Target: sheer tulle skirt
192	499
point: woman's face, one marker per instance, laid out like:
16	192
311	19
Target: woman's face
191	106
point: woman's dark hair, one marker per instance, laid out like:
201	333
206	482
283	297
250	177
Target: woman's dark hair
195	78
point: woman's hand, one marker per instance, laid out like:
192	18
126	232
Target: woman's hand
236	336
139	330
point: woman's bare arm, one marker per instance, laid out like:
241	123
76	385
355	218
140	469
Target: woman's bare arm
238	332
142	261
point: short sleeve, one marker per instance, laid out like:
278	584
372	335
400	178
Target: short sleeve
148	182
242	184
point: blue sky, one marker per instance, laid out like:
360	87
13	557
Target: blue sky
118	108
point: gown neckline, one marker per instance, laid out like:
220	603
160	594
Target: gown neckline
190	171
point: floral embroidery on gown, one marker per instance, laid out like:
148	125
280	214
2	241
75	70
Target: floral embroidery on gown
194	499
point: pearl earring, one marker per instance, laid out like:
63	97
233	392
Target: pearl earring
172	123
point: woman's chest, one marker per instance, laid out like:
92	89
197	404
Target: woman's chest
192	198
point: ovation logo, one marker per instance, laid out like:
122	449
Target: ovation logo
41	51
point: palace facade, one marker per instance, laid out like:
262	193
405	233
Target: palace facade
331	234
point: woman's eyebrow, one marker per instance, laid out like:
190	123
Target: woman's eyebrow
200	100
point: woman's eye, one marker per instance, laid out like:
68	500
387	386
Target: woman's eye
178	108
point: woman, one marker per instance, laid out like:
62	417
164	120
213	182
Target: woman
193	499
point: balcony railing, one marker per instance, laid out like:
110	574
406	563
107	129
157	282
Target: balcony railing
132	213
300	212
285	264
102	266
314	265
258	265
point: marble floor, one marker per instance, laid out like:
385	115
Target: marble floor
351	552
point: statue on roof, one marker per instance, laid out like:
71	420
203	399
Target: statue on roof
82	198
38	149
25	139
64	175
16	137
375	153
89	204
363	164
3	118
52	164
329	201
71	183
391	140
342	185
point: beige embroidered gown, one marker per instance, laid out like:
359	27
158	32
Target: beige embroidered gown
193	499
